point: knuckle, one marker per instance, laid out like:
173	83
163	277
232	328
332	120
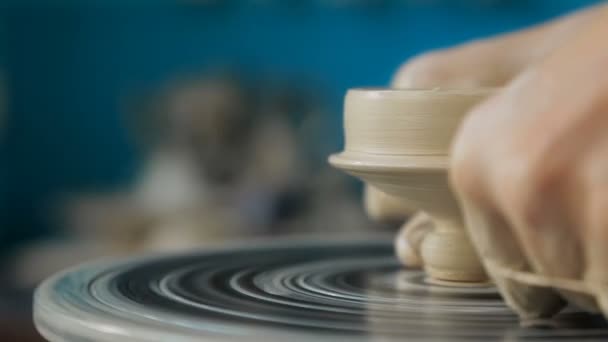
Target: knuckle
465	171
528	186
514	189
596	210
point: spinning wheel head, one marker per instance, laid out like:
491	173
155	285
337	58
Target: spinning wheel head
287	291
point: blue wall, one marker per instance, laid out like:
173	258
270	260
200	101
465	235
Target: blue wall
70	66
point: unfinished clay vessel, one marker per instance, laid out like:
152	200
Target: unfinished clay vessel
398	141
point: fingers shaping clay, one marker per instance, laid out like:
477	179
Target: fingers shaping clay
398	141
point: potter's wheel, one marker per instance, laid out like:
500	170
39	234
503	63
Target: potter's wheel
295	291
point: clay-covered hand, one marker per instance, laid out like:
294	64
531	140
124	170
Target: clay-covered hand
530	165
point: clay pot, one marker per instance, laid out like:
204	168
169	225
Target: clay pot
398	141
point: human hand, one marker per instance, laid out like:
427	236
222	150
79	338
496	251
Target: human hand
529	164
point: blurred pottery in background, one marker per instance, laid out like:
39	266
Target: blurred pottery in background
252	150
398	140
224	159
